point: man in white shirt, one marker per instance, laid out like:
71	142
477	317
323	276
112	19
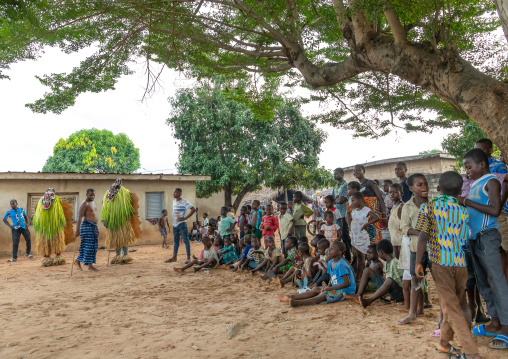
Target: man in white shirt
180	215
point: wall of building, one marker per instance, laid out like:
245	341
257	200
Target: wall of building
386	170
20	189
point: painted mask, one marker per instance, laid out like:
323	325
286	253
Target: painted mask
48	198
113	190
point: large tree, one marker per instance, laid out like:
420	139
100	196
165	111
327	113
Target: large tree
94	151
444	53
222	137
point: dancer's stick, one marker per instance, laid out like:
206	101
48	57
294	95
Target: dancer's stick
74	254
109	252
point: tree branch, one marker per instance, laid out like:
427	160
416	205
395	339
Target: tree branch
395	25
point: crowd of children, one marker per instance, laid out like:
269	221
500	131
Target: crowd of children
394	237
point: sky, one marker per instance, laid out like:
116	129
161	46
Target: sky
29	138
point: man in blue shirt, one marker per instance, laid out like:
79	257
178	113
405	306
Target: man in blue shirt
19	227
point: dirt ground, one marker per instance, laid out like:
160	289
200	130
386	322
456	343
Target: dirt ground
147	310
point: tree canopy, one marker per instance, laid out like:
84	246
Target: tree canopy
377	63
222	137
94	151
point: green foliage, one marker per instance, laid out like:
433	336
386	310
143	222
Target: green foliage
234	39
430	151
223	138
94	151
458	144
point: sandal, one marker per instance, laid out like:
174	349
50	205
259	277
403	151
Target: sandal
436	333
500	338
170	260
449	352
11	260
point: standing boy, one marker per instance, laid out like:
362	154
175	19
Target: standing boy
300	211
269	224
162	227
444	229
180	208
339	192
257	216
484	206
409	217
19	227
286	225
89	231
400	172
226	225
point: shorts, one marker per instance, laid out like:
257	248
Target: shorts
502	221
334	297
406	275
395	291
286	267
425	263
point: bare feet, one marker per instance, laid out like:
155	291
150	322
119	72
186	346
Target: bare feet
402	308
364	302
179	270
77	264
92	268
407	320
353	297
284	298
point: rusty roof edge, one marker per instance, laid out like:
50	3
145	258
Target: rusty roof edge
102	176
401	159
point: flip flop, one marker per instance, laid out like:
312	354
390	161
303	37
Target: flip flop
501	338
170	260
480	331
436	333
11	261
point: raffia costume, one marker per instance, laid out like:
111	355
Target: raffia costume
120	216
52	225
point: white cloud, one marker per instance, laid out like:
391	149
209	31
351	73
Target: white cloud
29	138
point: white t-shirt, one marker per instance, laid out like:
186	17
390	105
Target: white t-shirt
211	254
180	209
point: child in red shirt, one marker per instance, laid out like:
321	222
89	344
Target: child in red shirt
269	223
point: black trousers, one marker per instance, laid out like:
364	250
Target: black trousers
16	235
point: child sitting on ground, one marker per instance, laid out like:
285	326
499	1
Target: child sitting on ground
330	229
301	270
241	244
320	264
273	256
374	266
391	285
228	253
342	282
210	259
292	259
255	255
360	218
247	241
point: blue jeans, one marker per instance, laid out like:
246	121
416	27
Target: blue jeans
181	230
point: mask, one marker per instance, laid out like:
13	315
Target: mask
47	198
113	190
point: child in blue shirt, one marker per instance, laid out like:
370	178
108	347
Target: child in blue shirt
243	259
342	281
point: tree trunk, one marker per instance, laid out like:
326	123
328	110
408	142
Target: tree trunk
286	195
228	192
241	195
502	10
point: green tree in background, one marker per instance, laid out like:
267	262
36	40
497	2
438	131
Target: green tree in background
223	138
94	151
393	59
457	144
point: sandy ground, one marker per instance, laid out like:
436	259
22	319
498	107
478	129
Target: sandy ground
146	310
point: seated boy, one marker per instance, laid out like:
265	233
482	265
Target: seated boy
210	259
391	285
255	254
243	259
320	264
303	271
273	256
342	281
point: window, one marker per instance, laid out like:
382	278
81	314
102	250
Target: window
71	198
154	204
